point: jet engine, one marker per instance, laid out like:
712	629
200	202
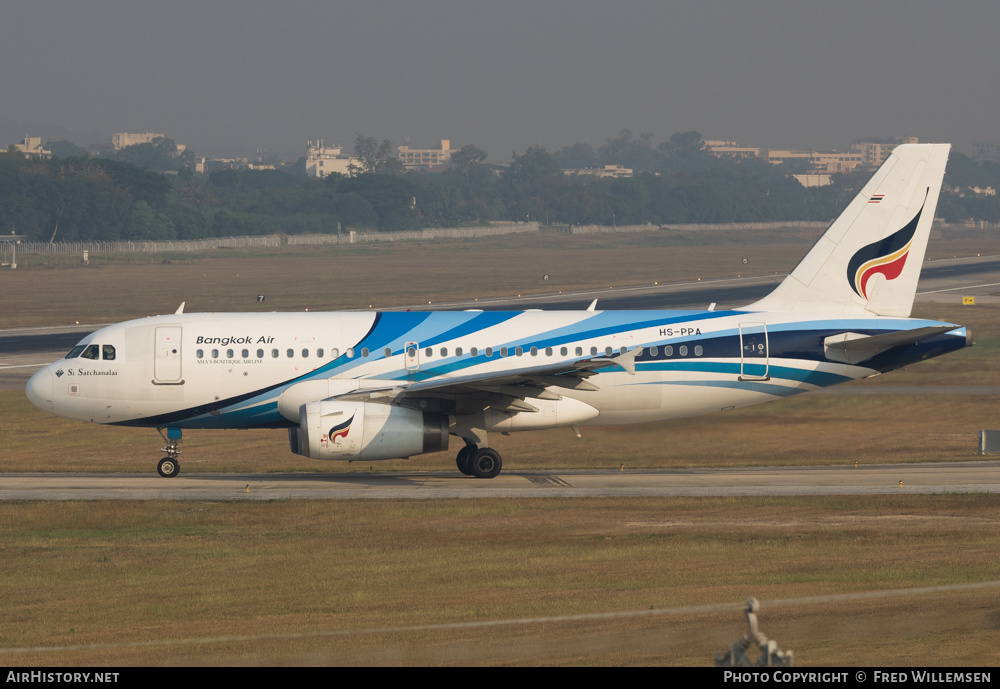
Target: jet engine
331	429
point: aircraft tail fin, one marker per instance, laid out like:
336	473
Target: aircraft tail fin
868	261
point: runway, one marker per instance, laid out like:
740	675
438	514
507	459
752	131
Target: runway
883	479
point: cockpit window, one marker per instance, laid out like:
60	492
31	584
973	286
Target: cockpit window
92	352
109	352
75	352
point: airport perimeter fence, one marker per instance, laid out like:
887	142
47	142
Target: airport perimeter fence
273	240
95	249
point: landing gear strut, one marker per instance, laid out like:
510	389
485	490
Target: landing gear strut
481	462
168	467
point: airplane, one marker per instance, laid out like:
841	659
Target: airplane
383	385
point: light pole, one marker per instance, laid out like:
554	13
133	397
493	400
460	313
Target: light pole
14	239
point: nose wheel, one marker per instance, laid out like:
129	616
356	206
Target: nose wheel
168	467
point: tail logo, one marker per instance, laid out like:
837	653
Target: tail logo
886	257
340	430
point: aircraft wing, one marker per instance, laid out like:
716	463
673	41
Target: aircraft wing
501	390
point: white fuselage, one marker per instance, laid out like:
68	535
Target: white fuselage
230	370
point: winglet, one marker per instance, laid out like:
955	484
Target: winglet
593	306
180	309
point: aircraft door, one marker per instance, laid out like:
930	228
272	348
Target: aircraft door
753	351
167	356
411	356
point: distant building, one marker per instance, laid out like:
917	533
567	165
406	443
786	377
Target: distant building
814	179
613	171
322	160
875	151
205	165
425	158
124	139
829	162
986	152
730	149
32	146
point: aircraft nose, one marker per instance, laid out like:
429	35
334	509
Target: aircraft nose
39	390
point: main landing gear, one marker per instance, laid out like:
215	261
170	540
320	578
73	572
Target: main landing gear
168	467
481	462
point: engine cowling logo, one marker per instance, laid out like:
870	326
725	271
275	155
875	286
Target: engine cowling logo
340	430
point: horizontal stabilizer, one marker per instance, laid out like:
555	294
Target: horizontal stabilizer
853	348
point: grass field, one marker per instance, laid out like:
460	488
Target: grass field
313	582
377	582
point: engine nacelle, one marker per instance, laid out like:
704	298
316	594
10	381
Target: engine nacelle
368	431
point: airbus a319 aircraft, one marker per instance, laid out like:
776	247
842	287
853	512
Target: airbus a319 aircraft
370	385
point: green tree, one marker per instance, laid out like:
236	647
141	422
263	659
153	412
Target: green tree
377	157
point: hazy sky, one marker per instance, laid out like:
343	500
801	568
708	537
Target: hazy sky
230	77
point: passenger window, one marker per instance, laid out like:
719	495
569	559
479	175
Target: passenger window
319	353
518	351
503	351
387	352
579	351
411	352
246	353
108	352
334	353
260	353
489	352
364	352
290	353
75	352
654	350
608	351
458	351
668	350
698	350
534	351
350	352
444	351
593	351
200	354
548	351
474	351
563	351
305	353
683	351
91	352
215	353
622	350
229	354
274	353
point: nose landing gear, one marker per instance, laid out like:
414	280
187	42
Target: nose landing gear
168	467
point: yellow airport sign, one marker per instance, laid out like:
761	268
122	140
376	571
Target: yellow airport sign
968	301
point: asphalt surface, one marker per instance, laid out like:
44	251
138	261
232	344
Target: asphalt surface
887	479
